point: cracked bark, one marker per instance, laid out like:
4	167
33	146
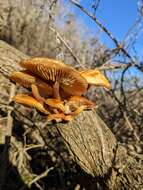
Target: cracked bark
89	140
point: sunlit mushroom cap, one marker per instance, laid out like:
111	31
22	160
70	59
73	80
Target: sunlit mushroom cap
70	80
23	78
55	103
95	77
81	101
26	79
30	102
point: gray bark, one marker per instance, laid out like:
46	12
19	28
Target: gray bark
89	140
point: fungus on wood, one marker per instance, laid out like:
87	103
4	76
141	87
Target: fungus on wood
60	74
27	79
60	81
91	143
30	101
96	78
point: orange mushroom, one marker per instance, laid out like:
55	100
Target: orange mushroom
39	88
76	104
55	103
31	102
59	117
60	74
78	100
95	77
51	80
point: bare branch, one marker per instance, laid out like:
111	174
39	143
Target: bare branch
9	117
67	46
118	45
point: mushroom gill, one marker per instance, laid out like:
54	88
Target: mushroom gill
27	80
68	78
56	88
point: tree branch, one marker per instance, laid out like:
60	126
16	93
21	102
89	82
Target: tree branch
104	29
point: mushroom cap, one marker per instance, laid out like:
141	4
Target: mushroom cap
26	79
95	77
29	101
69	79
23	78
55	103
79	101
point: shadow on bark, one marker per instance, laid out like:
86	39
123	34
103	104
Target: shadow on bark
89	140
9	176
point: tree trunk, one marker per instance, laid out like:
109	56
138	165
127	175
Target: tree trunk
89	140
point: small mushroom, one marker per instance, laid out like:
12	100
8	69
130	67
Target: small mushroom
31	102
58	117
76	104
40	91
50	81
79	100
55	103
60	74
95	77
29	80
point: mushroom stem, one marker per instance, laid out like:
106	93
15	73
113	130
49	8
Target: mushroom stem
56	93
55	103
36	94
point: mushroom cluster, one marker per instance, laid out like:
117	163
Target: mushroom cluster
56	89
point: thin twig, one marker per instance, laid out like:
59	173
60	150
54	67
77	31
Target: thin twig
95	6
53	4
59	36
37	178
110	35
10	120
97	22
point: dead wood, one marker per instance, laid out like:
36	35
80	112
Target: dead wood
89	140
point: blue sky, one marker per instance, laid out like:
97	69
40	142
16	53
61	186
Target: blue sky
117	15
